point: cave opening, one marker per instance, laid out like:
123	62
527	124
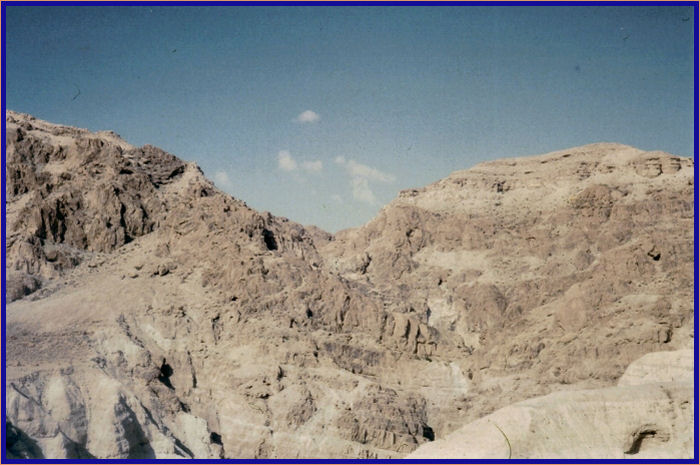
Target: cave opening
269	238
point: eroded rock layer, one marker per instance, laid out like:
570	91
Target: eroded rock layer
649	416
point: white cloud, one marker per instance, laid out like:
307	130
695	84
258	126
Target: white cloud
358	170
367	172
336	198
307	116
285	161
222	180
360	177
315	166
361	191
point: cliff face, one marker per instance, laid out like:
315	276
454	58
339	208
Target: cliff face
152	315
542	272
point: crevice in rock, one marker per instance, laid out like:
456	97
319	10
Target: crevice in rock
166	371
183	447
215	438
192	370
217	327
643	436
428	433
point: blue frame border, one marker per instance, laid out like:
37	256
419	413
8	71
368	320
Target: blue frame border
351	3
694	4
696	234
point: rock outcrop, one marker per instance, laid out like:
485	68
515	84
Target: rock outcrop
542	272
219	328
648	416
152	315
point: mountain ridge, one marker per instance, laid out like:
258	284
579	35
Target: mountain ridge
150	303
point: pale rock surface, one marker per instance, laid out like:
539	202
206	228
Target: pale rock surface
644	417
660	367
152	315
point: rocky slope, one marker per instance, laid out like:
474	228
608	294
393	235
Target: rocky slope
648	415
191	324
154	316
544	272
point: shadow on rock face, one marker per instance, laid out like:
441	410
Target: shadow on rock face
139	445
20	446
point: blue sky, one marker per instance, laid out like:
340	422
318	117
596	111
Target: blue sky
322	114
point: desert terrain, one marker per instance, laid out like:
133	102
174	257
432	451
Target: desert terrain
535	307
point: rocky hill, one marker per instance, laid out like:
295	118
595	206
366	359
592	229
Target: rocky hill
152	315
554	270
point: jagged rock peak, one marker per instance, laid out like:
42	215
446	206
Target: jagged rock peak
27	122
